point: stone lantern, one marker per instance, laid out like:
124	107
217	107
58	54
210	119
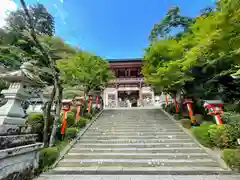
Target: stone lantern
79	101
215	108
12	113
18	147
189	102
90	98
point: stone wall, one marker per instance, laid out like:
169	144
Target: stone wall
18	147
19	163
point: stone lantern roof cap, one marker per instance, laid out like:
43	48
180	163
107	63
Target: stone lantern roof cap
79	98
214	102
27	73
66	100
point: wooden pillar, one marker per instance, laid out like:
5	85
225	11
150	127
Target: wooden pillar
140	94
116	95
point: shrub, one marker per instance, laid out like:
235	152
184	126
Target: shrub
36	121
47	157
71	133
186	123
70	119
177	116
201	134
230	116
206	124
170	108
163	106
87	115
223	136
233	119
234	106
81	123
74	110
209	118
58	132
232	158
198	118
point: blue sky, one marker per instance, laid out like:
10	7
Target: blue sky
112	28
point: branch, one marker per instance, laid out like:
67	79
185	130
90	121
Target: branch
33	34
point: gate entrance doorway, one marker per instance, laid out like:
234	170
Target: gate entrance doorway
128	98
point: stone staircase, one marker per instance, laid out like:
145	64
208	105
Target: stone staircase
136	142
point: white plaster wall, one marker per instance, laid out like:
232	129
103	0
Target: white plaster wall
34	108
106	92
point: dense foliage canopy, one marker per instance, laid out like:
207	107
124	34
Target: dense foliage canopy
84	69
202	59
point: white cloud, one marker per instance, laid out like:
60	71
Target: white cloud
6	6
62	1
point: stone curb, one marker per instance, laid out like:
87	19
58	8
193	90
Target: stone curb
207	150
74	141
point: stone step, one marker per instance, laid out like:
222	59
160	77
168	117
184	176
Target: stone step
133	136
134	127
112	141
139	150
142	130
88	133
125	142
118	170
137	162
137	145
111	155
135	122
149	125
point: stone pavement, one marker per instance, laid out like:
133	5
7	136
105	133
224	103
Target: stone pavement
139	177
125	144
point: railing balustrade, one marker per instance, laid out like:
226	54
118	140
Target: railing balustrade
127	80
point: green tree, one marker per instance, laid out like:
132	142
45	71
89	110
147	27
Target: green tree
172	19
42	20
90	71
209	54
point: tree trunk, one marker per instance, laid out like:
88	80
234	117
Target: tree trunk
58	101
47	116
85	104
44	109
